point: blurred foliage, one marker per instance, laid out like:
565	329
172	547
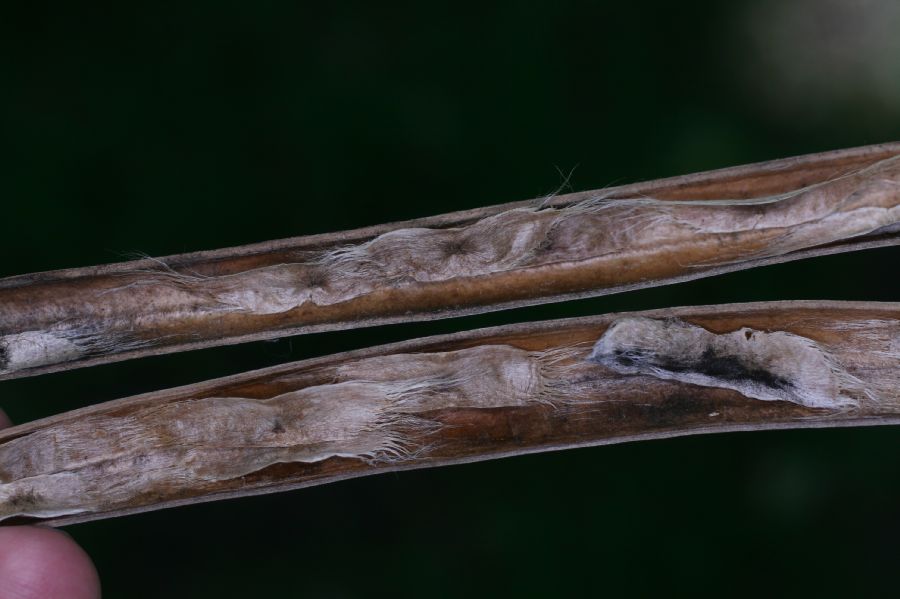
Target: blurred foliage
164	128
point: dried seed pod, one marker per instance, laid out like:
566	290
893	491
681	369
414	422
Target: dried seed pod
498	257
463	397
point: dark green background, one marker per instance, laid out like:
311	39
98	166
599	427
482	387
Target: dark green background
168	128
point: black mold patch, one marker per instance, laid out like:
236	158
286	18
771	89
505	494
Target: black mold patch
24	500
632	358
733	368
4	357
316	277
726	367
457	245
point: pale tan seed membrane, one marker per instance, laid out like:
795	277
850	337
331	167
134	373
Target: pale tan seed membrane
606	234
769	366
368	413
61	343
594	230
377	409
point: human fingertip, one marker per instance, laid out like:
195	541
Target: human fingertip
42	563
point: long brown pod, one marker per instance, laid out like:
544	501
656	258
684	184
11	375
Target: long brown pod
498	257
464	397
